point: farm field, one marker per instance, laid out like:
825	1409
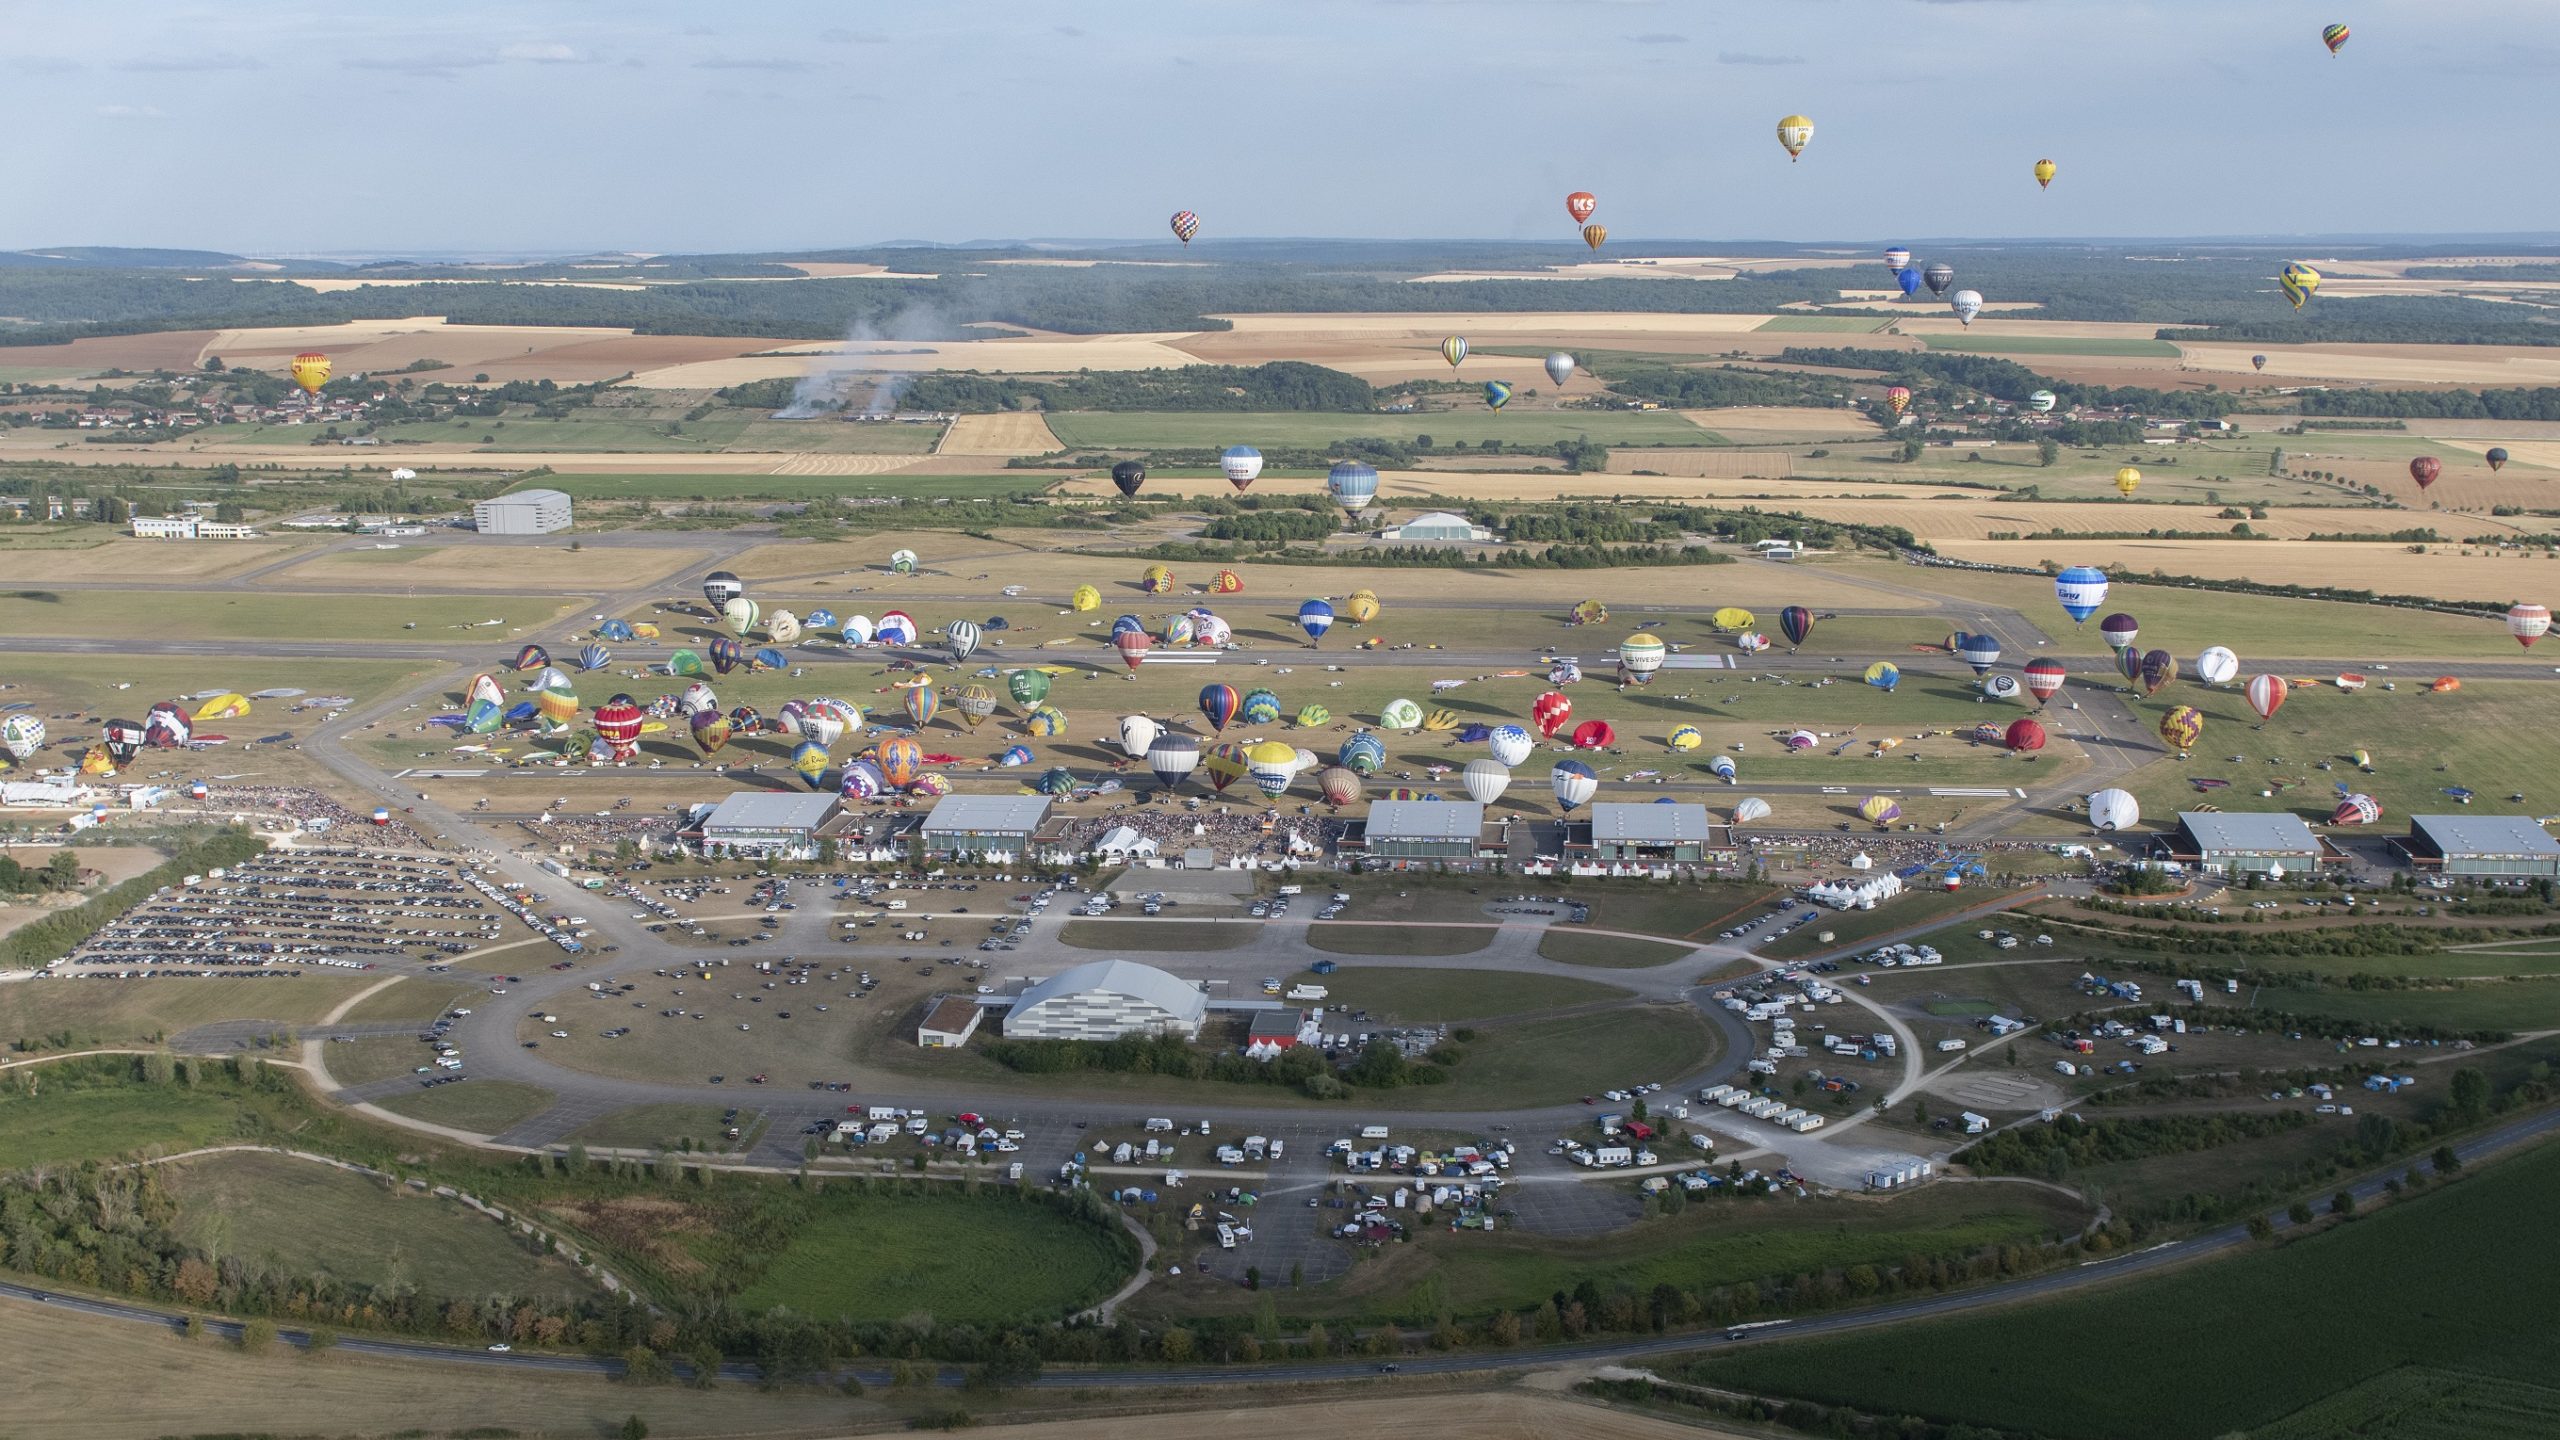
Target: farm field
724	486
363	1232
264	615
1987	343
1018	433
89	1013
2483	1239
962	1260
1538	432
482	1107
94	556
97	1109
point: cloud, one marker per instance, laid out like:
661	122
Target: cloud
840	36
1740	57
1070	32
43	64
540	53
722	62
133	112
1659	37
440	67
220	60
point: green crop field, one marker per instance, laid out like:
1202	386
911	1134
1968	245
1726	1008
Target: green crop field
792	487
2459	1273
1987	344
263	615
2479	1005
1176	935
96	1109
302	1218
1607	952
1527	433
1344	938
959	1258
1400	994
482	1107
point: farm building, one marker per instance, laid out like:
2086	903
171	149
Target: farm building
990	826
766	823
1440	526
2505	846
524	512
1400	832
2269	843
1104	1000
1641	834
948	1022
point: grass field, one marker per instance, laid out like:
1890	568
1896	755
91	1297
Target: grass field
1551	1061
791	487
361	1231
483	1107
959	1258
1528	433
1911	910
1395	995
1177	935
657	1127
1344	938
258	615
1987	344
79	1014
412	999
1607	952
2457	1268
368	1058
82	1110
2481	1005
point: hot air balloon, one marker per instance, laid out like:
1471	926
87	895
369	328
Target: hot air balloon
975	704
1686	737
1723	768
809	761
2424	470
1510	745
1157	580
1899	398
858	630
1241	464
2114	810
1310	716
923	701
22	735
1218	705
900	759
767	658
1909	280
903	562
1795	132
1896	259
2267	695
122	740
1178	630
1880	811
1315	617
1979	651
594	657
710	731
1172	757
2023	735
2333	36
2528	623
2443	685
1225	764
2044	678
1559	366
1272	765
1137	735
1640	655
1027	687
1731	619
782	627
1883	675
2000	687
1966	304
1751	808
740	615
1595	236
1573	783
697	698
1454	350
1400	715
1338	786
2356	810
721	586
1084	597
2497	458
1057	780
1128	475
963	636
2299	282
1014	757
2217	665
896	627
2159	667
555	702
2119	631
1363	752
310	370
1133	646
2182	726
1580	204
2258	361
1485	779
2081	589
1225	582
1795	622
1939	277
2128	480
532	657
821	618
1045	721
1497	393
1588	612
1549	712
1594	735
618	726
684	663
1185	225
1799	739
2042	402
167	725
2044	173
1352	484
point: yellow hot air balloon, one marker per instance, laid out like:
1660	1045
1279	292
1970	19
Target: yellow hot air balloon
1361	607
2044	172
2299	281
2128	480
1085	597
1731	618
1795	132
1595	236
311	371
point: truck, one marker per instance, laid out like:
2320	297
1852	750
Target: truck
1373	1132
1309	992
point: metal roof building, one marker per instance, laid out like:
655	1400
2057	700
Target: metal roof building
983	824
2513	846
1618	830
2256	841
767	822
1105	1000
524	512
1420	830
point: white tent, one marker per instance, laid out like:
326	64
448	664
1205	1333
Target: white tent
1124	843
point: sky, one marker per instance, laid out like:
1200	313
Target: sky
556	126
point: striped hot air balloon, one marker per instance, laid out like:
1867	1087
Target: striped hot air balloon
975	703
1185	225
618	723
2356	810
1454	350
1173	756
1795	622
1225	765
1261	707
1315	617
2267	695
1880	810
2081	589
1047	722
2044	677
2528	623
1218	705
1364	753
1352	484
923	702
1485	779
1574	783
1640	655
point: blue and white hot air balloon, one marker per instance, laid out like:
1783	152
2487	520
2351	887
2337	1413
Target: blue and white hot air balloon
1722	768
594	657
1315	617
2082	589
1979	651
1352	484
1511	744
1241	464
1574	783
821	618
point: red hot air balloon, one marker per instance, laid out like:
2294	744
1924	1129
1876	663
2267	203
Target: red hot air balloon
2267	695
2044	677
2023	735
1549	713
2424	470
1594	735
1133	645
618	725
1580	204
1185	225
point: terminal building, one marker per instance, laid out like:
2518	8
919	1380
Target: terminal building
766	823
523	512
988	827
2500	847
2270	843
1635	834
1104	1000
1409	834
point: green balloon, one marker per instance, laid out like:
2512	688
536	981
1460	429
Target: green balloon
1028	687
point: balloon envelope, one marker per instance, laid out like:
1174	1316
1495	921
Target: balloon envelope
2217	665
2081	589
1938	277
1559	367
1574	783
1352	484
1795	622
1485	779
1751	808
2114	810
1966	304
1173	757
1241	464
1510	745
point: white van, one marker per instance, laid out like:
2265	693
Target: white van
1159	1125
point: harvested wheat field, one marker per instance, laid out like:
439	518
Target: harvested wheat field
1784	424
2444	572
564	353
1962	517
1705	464
2531	454
158	350
467	567
1034	355
1015	433
125	560
1412	487
818	464
2471	365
